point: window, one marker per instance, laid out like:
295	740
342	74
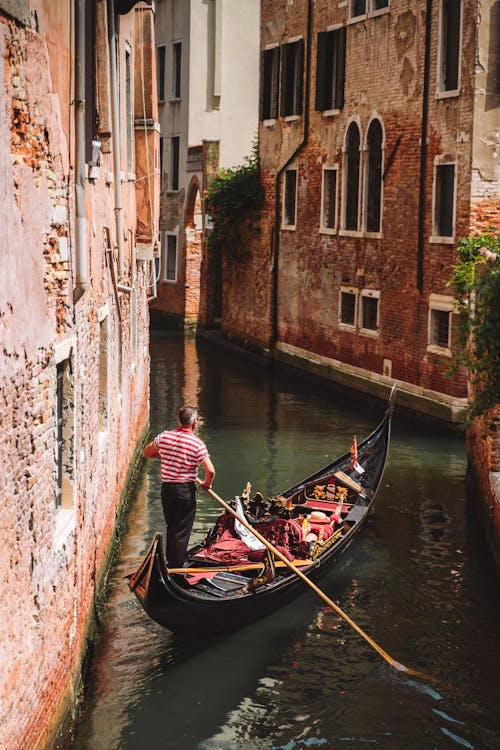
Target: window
160	72
359	8
347	306
290	199
169	256
440	321
292	78
176	69
449	46
444	200
91	113
440	328
162	165
330	70
103	375
129	114
174	162
270	83
64	412
351	178
369	312
373	177
329	199
133	330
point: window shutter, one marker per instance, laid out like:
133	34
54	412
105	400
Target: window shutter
275	82
300	75
284	65
265	86
320	71
341	54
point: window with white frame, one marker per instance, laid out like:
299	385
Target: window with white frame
440	323
103	375
369	311
351	179
348	303
357	8
292	73
329	199
290	199
176	69
65	433
373	177
269	102
361	8
444	200
160	72
133	330
330	70
169	256
449	46
174	162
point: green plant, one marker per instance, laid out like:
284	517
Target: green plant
476	283
231	198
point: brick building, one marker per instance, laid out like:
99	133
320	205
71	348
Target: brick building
208	79
79	156
377	138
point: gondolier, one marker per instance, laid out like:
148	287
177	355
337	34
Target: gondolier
181	451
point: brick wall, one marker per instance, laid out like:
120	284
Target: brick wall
384	79
52	561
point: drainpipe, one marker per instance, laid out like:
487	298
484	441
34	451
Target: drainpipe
81	270
277	208
115	136
423	147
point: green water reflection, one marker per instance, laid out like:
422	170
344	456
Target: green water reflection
415	580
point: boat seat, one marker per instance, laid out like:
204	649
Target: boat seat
356	513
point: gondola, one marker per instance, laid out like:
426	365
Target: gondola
225	584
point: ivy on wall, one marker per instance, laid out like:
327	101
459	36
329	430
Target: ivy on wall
230	200
476	284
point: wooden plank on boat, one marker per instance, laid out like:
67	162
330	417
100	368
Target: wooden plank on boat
348	481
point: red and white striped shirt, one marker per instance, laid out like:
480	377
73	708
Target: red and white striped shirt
180	451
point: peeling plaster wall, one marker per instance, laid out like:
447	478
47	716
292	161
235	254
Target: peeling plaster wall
52	560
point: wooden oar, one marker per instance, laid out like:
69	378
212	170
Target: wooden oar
233	568
396	664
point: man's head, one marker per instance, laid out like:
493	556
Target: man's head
188	415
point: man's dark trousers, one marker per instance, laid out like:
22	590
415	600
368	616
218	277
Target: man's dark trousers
178	501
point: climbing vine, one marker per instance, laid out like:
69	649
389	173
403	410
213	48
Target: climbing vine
231	200
476	283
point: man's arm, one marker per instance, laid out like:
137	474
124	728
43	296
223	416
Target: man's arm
209	474
151	451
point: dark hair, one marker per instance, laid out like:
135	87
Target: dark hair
188	415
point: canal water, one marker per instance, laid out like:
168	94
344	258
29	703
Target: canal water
416	580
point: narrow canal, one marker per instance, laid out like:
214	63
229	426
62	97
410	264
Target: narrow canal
416	579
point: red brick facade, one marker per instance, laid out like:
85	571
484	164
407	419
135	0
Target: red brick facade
391	57
74	372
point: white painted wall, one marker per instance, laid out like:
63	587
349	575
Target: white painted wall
235	123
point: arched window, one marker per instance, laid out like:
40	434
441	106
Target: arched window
351	178
373	177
